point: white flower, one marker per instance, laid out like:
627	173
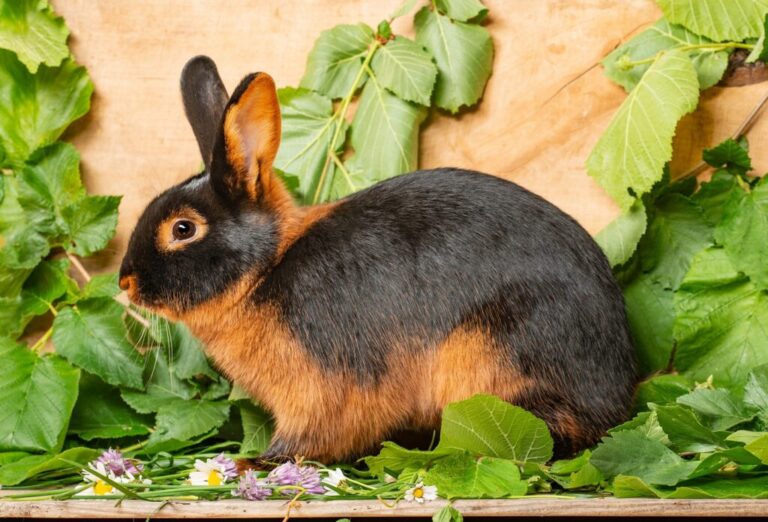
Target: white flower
99	486
335	478
421	493
208	473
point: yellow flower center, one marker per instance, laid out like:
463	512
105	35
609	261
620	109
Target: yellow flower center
102	488
214	478
418	493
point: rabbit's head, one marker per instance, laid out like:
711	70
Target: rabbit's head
199	237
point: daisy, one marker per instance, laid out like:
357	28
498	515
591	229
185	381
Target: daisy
213	472
335	478
421	493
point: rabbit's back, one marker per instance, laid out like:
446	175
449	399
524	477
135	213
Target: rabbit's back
407	262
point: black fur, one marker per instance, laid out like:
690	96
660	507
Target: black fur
410	259
405	263
205	98
241	238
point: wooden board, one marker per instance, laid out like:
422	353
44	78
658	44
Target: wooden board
544	108
534	507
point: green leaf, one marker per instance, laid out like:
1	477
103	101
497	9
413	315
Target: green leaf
463	54
32	30
729	154
663	36
189	360
743	232
17	472
47	282
163	384
631	453
336	59
36	399
685	431
462	10
91	223
756	390
759	448
645	423
631	154
714	194
486	425
464	476
677	232
760	51
651	316
734	20
619	239
92	335
101	414
385	133
395	459
307	130
743	487
183	420
723	410
406	69
720	321
661	389
633	487
577	473
257	429
102	285
447	514
35	109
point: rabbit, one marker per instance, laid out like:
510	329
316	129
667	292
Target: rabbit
352	320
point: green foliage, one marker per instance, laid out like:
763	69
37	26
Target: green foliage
486	425
718	20
397	80
461	475
463	53
662	36
619	239
31	30
37	107
34	388
629	157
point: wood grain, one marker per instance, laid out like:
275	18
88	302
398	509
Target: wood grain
534	507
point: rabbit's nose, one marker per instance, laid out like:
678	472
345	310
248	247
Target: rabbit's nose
128	283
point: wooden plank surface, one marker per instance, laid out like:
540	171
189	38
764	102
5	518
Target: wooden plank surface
545	106
533	507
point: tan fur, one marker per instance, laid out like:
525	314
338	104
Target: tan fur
330	416
322	414
252	135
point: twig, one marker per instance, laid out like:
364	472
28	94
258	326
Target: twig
79	267
87	276
741	131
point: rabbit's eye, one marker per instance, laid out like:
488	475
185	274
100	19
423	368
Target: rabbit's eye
183	229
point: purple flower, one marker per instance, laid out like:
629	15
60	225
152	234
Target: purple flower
251	487
227	468
114	462
290	474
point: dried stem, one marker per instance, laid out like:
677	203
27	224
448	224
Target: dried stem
87	277
741	131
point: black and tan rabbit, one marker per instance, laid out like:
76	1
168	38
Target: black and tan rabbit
351	320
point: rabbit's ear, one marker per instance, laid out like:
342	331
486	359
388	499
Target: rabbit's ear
248	140
205	98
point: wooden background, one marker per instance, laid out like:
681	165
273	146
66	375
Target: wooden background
544	108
